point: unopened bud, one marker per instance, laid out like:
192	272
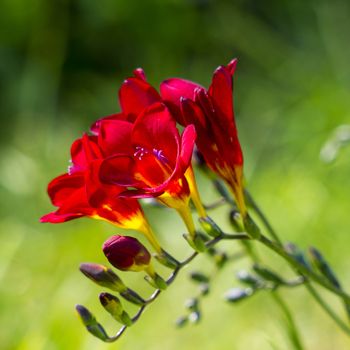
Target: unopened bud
113	306
192	304
251	227
199	277
235	220
194	316
297	254
133	297
267	274
197	242
247	278
322	265
167	260
126	253
234	295
156	281
91	323
181	321
103	276
204	289
210	227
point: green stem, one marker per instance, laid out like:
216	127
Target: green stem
293	331
303	269
251	202
292	328
327	309
278	248
172	278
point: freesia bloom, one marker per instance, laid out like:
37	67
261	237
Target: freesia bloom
150	157
136	98
211	112
126	253
80	193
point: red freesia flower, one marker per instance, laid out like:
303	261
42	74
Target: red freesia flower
126	253
135	95
160	175
80	193
211	112
149	155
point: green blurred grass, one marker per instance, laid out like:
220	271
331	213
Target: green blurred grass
61	65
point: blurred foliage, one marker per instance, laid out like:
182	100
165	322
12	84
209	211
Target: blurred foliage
61	65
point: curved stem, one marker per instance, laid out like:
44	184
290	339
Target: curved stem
293	331
303	269
173	276
262	216
327	309
300	268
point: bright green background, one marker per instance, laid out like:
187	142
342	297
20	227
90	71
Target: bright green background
61	65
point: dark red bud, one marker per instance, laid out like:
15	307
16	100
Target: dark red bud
126	253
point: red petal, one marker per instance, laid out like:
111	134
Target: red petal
135	95
83	151
115	137
75	205
194	115
95	127
220	92
172	90
55	218
139	194
187	144
118	170
140	74
231	67
155	131
97	193
62	187
206	136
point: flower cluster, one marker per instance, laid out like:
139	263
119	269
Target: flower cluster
139	153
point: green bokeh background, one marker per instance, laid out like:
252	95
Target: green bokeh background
61	65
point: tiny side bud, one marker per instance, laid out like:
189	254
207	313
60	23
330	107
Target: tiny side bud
267	274
199	277
103	276
235	295
251	227
210	227
114	307
91	323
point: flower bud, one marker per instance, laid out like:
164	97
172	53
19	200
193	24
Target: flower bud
210	227
248	279
197	242
251	227
103	276
126	253
91	323
234	295
199	277
322	265
267	274
167	260
113	306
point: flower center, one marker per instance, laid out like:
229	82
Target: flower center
141	152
